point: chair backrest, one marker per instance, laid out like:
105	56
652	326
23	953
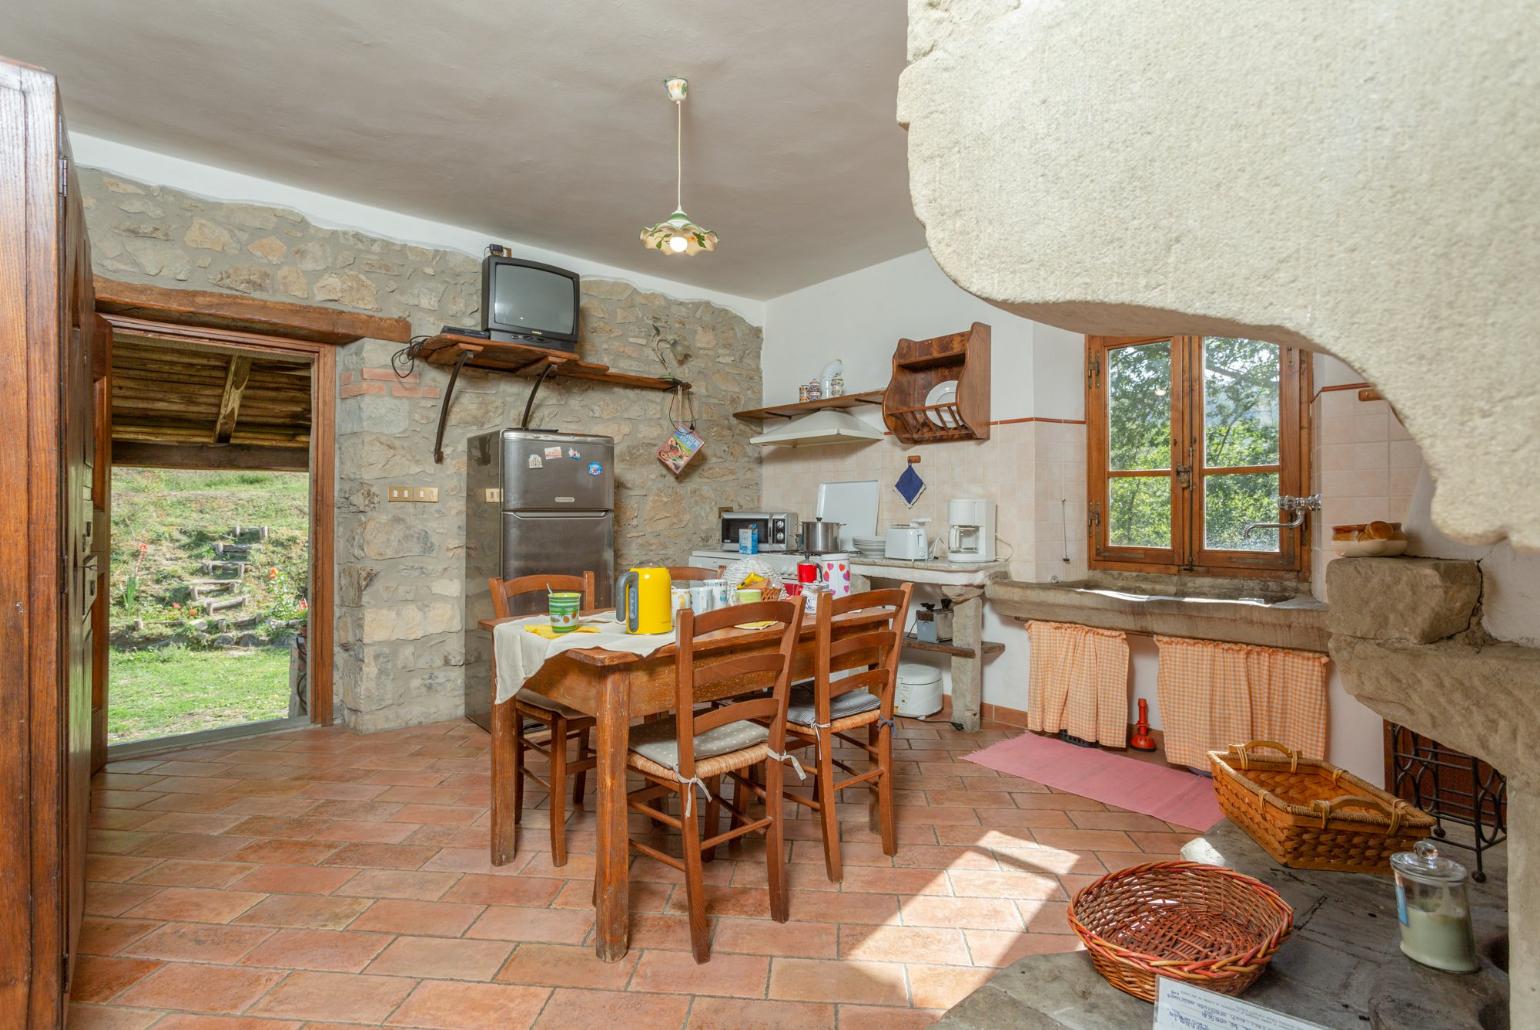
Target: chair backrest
689	573
734	675
869	656
504	590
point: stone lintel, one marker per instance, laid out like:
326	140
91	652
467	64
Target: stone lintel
1484	700
1420	600
1297	624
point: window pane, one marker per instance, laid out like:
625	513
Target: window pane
1139	407
1139	512
1240	402
1229	502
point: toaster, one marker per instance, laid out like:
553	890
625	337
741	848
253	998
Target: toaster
906	543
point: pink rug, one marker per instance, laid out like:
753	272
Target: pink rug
1184	798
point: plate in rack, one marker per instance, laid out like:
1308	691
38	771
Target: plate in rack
944	392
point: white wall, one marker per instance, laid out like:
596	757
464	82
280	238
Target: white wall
339	213
860	317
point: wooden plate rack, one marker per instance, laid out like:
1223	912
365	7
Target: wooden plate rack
918	366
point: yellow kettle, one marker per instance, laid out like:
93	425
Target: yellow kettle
642	601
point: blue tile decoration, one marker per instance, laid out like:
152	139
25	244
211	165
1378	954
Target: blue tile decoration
909	486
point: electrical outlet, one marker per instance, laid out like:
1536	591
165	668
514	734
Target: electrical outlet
422	494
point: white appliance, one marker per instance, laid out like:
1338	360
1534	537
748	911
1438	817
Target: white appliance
970	530
907	543
853	504
918	692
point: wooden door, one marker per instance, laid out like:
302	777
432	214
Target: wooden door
47	567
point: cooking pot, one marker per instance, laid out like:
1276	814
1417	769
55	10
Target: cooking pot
820	537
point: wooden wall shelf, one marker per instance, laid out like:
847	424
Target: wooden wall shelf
849	400
522	359
918	367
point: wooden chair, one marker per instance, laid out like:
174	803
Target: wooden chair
700	747
563	722
691	574
862	697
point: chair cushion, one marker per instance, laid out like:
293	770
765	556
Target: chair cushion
658	741
802	711
537	700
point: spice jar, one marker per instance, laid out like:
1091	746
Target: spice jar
1434	909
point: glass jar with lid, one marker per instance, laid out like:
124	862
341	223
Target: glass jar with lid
1434	909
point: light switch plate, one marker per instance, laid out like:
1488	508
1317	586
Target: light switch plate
420	494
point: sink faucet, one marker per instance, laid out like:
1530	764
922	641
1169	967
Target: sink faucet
1298	505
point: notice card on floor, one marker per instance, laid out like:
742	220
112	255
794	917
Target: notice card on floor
1181	1006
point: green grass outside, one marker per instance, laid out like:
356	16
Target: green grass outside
173	690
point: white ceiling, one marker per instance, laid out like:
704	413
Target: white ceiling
543	121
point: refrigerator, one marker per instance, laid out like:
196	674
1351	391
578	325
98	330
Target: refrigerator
535	501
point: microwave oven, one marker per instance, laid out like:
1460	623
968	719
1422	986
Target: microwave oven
777	529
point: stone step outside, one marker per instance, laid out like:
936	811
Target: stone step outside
221	604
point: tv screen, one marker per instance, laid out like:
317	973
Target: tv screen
527	299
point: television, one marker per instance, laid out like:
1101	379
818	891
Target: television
528	302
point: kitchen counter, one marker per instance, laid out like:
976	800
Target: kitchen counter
938	573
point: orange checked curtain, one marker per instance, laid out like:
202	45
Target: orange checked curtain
1078	682
1215	694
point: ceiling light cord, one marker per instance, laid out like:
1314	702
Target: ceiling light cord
679	156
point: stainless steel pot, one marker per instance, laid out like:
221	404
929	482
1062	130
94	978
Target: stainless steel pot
820	537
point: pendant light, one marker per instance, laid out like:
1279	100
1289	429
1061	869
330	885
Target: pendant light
676	234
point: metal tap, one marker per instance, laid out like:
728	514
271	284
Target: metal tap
1298	505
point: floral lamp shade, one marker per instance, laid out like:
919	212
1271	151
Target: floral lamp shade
678	235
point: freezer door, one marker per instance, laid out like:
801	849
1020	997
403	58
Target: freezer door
566	542
557	472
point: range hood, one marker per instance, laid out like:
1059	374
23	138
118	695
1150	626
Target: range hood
819	427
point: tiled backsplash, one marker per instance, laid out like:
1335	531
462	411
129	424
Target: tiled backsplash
1033	470
1365	467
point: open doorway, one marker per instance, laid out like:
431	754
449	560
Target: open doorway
219	519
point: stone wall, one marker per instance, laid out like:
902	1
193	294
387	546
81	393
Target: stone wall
400	566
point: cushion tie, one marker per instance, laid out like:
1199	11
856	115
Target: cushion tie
689	795
883	720
786	756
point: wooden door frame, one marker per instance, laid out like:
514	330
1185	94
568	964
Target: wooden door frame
323	484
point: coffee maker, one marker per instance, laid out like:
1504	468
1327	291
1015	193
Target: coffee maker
970	529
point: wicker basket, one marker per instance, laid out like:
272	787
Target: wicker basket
1200	924
1309	814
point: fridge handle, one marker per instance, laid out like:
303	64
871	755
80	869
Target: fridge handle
559	514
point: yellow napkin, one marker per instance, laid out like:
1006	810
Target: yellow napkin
551	634
755	625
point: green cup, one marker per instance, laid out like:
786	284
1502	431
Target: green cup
746	595
563	606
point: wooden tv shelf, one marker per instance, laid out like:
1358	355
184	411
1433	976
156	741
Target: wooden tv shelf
849	400
524	360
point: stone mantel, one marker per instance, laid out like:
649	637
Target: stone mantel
1299	623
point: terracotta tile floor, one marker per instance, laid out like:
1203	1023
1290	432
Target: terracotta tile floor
324	877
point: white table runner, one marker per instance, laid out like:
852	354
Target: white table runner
520	654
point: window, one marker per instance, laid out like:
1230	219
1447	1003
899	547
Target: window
1191	438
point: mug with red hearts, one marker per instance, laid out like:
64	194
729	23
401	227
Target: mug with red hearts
834	570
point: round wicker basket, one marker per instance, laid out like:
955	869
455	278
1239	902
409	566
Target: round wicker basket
1202	924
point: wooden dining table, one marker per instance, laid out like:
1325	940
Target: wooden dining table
617	687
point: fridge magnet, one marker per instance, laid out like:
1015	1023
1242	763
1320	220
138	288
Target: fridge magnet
536	462
552	453
595	469
574	454
909	486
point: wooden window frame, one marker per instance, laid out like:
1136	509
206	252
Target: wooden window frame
1186	471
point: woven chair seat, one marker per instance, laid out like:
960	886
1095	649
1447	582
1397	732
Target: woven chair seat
538	706
705	768
849	722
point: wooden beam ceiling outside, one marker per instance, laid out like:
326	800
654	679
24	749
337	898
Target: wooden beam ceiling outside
212	310
246	457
